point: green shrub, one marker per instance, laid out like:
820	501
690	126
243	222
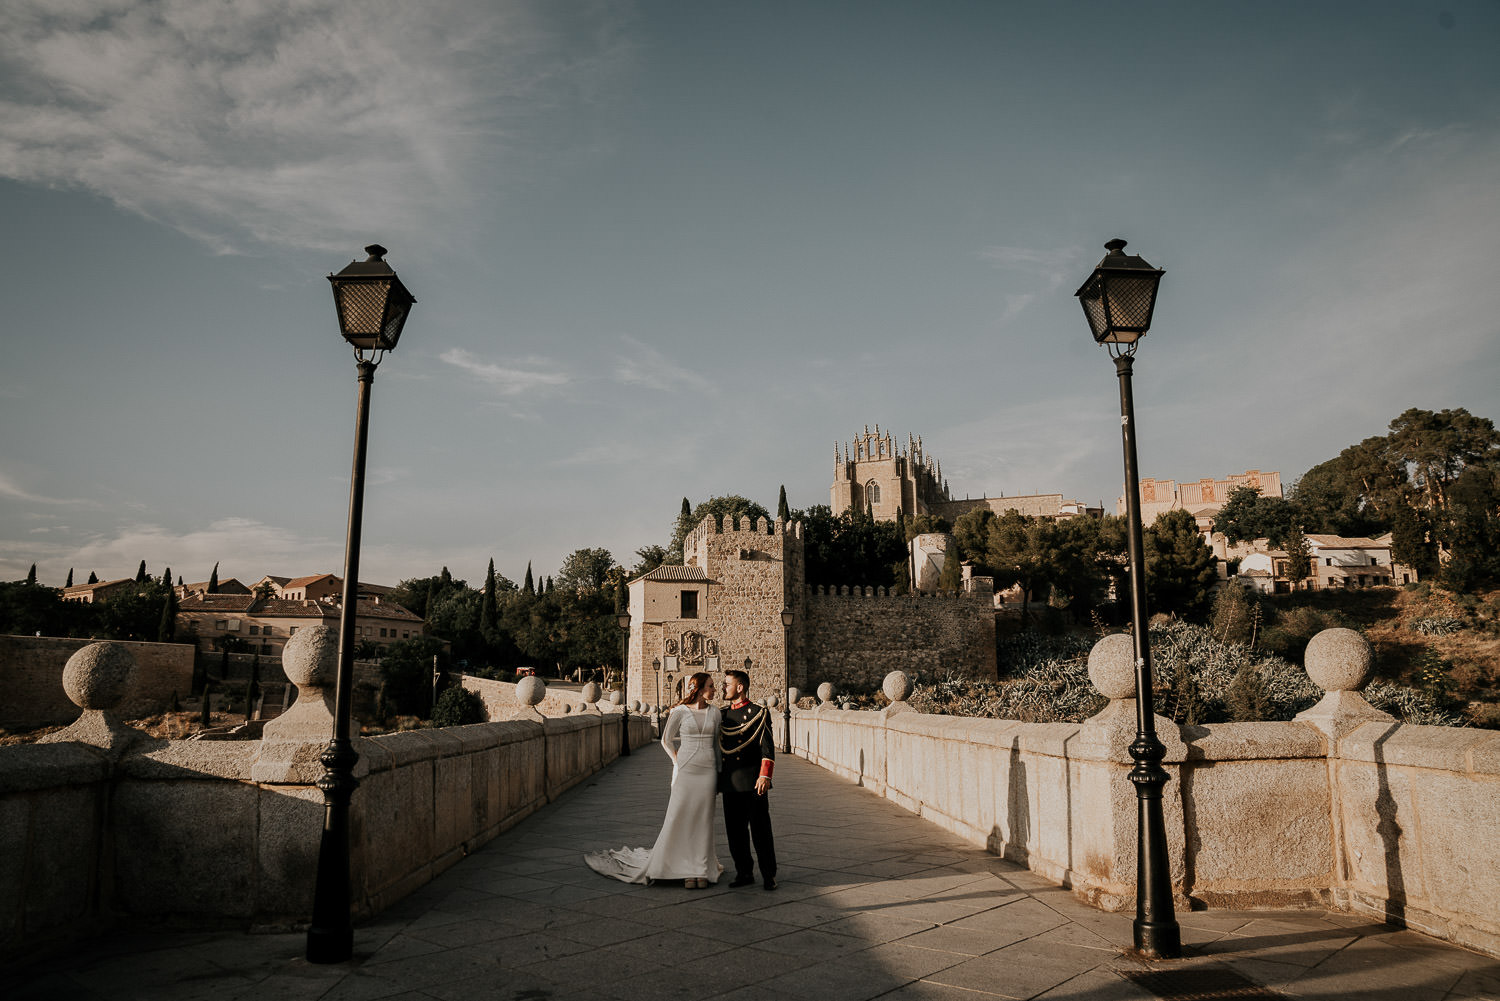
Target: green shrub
458	706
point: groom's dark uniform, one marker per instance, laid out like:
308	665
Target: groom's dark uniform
749	752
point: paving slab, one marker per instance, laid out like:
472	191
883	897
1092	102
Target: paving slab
874	902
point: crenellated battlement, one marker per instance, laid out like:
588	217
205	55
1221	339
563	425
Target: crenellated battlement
759	529
861	591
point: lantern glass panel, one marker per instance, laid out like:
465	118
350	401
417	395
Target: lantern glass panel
1130	298
362	307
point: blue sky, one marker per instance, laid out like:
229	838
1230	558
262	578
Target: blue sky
680	249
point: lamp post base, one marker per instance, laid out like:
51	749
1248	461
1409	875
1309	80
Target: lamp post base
329	945
1158	939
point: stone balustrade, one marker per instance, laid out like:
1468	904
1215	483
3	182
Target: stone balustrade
102	823
1343	808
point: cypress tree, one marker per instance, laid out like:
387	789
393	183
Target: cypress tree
70	578
529	586
782	511
166	577
549	585
213	580
93	577
179	580
31	574
140	573
446	579
167	627
488	612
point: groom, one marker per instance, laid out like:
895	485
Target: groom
748	751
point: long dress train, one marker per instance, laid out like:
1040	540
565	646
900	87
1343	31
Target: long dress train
684	848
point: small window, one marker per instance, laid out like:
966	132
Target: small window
292	631
221	624
406	634
382	632
689	605
255	630
872	492
1374	562
1328	561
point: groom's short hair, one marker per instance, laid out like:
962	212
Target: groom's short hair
744	678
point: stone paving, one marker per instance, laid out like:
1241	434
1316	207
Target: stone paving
874	902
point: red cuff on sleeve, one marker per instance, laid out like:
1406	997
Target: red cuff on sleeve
766	767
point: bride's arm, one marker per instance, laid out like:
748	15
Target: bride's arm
669	732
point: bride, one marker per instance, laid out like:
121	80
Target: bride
685	847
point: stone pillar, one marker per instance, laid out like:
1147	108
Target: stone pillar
96	679
1338	661
898	688
530	691
291	743
1103	824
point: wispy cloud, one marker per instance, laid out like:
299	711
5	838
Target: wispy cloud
9	488
1053	266
511	379
279	123
648	367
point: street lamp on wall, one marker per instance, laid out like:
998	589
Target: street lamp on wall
787	618
1118	300
372	307
656	667
622	619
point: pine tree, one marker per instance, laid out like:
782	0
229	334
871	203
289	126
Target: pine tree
1247	699
70	578
213	580
528	587
489	613
93	577
951	577
782	511
140	573
31	574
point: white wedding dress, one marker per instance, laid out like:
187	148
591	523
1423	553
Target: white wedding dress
685	847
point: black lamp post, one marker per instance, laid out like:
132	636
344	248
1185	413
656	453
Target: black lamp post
787	618
656	666
1118	300
373	306
622	619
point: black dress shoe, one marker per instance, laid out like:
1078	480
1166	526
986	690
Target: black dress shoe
770	882
741	881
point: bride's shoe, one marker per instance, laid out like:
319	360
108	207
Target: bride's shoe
695	884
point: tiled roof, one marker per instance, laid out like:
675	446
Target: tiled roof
677	573
303	581
216	603
1340	542
82	588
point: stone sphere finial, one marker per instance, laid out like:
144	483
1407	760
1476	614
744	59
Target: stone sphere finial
310	658
793	694
772	701
825	692
1338	660
98	676
897	686
1112	666
616	697
591	692
531	690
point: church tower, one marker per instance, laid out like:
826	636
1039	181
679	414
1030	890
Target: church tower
874	472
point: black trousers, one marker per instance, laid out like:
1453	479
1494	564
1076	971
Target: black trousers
747	817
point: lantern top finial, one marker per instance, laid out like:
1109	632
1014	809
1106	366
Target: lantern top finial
377	252
1115	246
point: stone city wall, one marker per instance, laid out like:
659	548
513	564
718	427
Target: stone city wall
1385	819
31	691
855	637
227	832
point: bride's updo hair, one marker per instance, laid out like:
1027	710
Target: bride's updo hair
696	683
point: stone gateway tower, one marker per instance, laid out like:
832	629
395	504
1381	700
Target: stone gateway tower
721	606
724	605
